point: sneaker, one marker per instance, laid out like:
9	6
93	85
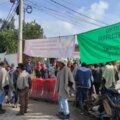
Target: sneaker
25	111
81	113
64	116
14	106
19	114
2	111
59	114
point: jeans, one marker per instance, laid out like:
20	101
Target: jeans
63	105
82	95
2	97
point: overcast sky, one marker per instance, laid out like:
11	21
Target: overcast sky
57	20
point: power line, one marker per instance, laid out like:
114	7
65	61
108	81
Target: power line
59	16
58	13
70	2
79	18
78	12
9	12
9	17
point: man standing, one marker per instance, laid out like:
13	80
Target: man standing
83	80
11	85
64	81
38	69
28	66
4	85
97	75
23	88
15	77
109	75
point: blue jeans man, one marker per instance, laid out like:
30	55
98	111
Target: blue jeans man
63	106
82	95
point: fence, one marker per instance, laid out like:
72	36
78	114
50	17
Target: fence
44	89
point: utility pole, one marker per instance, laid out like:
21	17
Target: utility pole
20	36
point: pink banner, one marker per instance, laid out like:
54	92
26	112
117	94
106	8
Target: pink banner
57	47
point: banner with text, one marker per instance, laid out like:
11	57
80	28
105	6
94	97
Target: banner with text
100	45
55	47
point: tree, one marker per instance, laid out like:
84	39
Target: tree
8	41
32	30
9	35
7	25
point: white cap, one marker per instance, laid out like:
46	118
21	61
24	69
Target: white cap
62	60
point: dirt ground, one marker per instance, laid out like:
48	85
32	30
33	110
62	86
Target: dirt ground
39	110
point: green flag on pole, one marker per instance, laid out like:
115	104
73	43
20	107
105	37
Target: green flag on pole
100	45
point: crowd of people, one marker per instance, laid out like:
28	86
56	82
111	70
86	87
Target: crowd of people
44	71
91	83
86	82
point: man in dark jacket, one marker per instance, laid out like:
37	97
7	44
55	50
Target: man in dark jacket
97	75
28	66
83	80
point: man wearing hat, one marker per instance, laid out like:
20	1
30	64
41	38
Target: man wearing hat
23	88
64	78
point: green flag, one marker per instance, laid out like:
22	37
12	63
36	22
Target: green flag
100	45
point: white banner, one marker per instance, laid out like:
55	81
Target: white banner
57	47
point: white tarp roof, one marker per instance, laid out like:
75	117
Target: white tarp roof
10	58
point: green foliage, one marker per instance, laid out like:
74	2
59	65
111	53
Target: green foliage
9	35
32	30
8	41
4	25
